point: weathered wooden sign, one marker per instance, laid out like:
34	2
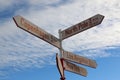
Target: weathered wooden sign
79	59
60	66
74	68
36	31
84	25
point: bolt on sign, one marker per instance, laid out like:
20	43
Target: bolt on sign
84	25
74	68
60	66
36	31
78	59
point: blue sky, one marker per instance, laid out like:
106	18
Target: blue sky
25	57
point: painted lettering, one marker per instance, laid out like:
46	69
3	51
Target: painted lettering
75	29
23	23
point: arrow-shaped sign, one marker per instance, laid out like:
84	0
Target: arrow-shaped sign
84	25
78	59
36	31
74	68
60	66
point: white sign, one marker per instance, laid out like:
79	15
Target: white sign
84	25
59	66
78	59
74	68
36	31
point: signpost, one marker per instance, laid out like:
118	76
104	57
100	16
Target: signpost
36	31
78	59
74	68
63	62
84	25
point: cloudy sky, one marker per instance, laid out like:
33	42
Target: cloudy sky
24	56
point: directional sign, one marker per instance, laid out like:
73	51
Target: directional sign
78	59
84	25
59	66
36	31
74	68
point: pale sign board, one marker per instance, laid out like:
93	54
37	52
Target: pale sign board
78	59
74	68
59	66
84	25
36	31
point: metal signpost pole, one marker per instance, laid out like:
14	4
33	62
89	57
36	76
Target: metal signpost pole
60	40
61	51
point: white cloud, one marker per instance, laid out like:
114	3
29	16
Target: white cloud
5	3
21	49
92	53
42	2
9	4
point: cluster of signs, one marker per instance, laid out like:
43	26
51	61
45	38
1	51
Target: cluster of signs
65	62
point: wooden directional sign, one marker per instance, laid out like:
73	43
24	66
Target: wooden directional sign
36	31
59	66
78	59
74	68
84	25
